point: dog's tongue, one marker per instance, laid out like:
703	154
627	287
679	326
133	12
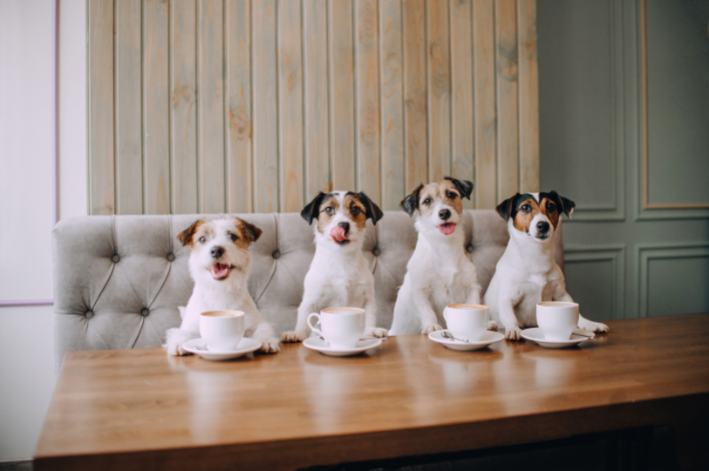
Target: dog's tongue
338	234
220	270
447	228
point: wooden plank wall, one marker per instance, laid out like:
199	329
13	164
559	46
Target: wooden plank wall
256	105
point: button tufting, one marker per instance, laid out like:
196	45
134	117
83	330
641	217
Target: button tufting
171	257
89	314
375	252
144	312
276	254
116	258
469	248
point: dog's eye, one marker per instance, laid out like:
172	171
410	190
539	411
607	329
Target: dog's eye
451	195
427	201
355	210
526	208
202	239
233	237
329	210
551	208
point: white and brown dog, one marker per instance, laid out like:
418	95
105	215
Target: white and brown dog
339	274
219	265
527	273
439	272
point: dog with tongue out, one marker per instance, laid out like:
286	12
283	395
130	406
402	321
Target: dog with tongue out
439	272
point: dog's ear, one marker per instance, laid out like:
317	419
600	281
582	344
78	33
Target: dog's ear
565	204
411	202
186	236
464	186
250	232
504	209
312	209
373	210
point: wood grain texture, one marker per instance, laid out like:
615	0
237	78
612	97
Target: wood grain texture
528	96
317	137
265	103
367	88
415	106
507	98
342	101
462	109
100	107
140	409
290	106
210	106
183	106
485	105
129	143
439	89
156	109
392	104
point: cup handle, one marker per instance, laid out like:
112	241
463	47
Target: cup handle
312	327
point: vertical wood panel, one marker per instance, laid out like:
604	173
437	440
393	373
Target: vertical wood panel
129	145
155	108
100	107
439	111
462	165
507	98
317	139
265	111
485	112
210	106
392	111
415	126
290	105
528	96
183	113
238	112
342	104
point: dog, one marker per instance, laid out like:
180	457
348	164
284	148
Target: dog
527	273
219	265
339	274
439	272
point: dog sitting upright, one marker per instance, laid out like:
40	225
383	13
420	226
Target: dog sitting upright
527	273
439	272
339	274
219	265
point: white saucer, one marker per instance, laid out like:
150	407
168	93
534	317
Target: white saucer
319	345
199	347
488	338
536	335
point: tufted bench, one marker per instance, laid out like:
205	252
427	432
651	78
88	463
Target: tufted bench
119	279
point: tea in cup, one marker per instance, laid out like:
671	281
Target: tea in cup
341	327
557	320
467	321
222	330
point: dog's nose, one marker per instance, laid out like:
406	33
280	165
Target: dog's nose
444	214
217	251
542	226
345	226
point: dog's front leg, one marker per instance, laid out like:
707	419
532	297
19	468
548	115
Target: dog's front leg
429	320
583	322
262	331
370	319
302	331
506	310
176	337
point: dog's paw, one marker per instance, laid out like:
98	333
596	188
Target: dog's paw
593	326
492	325
175	349
375	332
513	333
270	346
431	328
293	337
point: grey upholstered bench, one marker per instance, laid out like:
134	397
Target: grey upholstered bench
119	279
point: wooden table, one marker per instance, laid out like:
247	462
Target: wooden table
140	409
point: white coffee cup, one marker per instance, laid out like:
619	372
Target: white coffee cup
222	330
341	327
557	319
467	321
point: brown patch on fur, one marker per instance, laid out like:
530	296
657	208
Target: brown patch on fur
246	232
359	215
205	230
522	219
553	215
323	217
186	237
440	191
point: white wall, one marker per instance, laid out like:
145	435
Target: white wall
26	150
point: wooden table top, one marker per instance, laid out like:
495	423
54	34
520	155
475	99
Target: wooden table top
115	408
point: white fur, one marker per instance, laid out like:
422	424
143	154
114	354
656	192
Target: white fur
439	273
526	275
210	294
339	276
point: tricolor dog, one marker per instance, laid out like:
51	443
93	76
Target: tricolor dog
439	271
219	265
339	274
527	273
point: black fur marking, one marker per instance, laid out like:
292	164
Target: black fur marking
312	209
411	202
373	211
564	204
252	232
464	186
